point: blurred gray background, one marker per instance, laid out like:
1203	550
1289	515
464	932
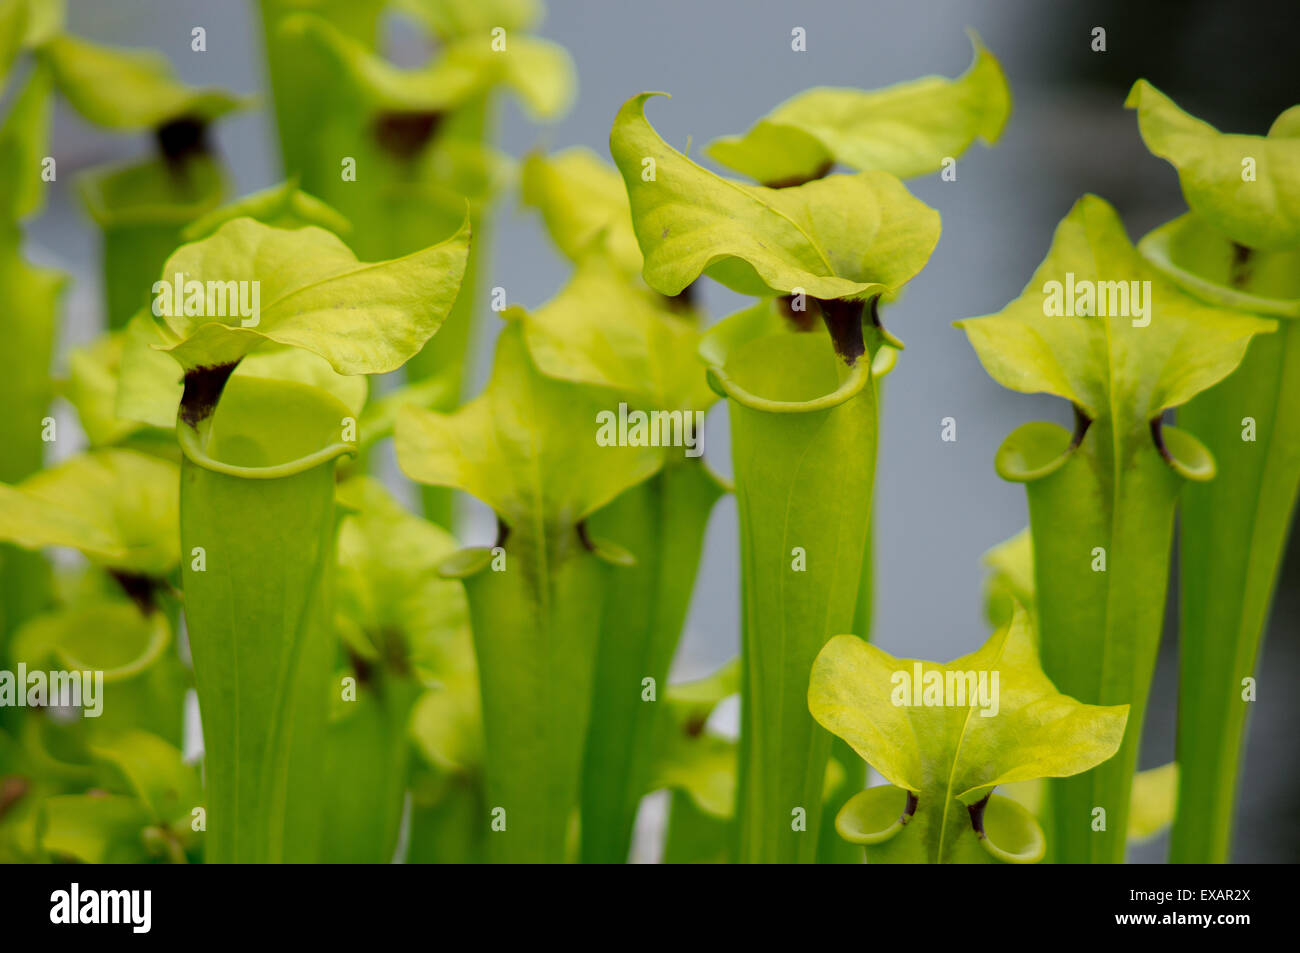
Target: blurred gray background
939	505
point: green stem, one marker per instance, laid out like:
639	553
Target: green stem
803	473
662	522
257	497
1100	628
447	826
301	78
29	297
536	628
695	836
1234	529
832	848
1234	533
367	757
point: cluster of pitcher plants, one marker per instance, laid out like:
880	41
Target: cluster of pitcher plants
370	689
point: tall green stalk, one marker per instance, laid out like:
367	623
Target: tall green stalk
1237	249
803	513
300	73
29	300
447	826
525	447
536	635
803	423
257	498
1101	500
1234	535
909	129
606	330
695	836
1234	530
1093	501
833	849
662	522
367	764
29	297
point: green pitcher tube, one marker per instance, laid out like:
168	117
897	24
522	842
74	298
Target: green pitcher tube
831	848
299	73
257	533
1234	529
367	758
536	627
524	446
662	522
1102	536
803	455
30	296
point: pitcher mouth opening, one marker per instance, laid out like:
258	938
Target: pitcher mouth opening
1231	267
853	384
157	191
766	362
238	436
